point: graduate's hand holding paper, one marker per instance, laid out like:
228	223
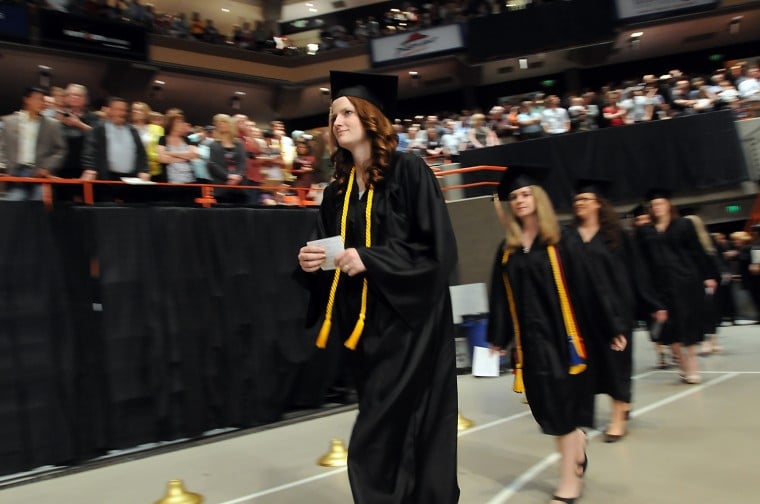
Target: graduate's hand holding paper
320	254
350	262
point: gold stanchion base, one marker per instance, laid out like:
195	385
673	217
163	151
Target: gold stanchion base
463	423
337	456
176	494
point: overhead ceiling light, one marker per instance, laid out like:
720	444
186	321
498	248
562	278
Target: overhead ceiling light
309	4
159	82
523	62
324	90
636	34
414	75
225	9
735	24
240	93
312	9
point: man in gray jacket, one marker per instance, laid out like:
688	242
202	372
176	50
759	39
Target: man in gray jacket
31	145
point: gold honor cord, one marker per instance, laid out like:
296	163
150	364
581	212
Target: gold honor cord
518	386
577	349
324	332
575	342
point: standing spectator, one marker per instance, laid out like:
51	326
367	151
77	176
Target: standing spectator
613	112
175	152
77	121
554	119
113	149
211	33
479	134
529	121
197	26
149	134
31	145
749	88
303	165
227	158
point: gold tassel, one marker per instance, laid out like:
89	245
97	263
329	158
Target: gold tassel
323	334
577	369
357	332
518	386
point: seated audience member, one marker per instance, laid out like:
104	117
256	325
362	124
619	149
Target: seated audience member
175	152
113	149
31	145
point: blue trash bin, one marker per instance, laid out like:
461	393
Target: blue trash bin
475	327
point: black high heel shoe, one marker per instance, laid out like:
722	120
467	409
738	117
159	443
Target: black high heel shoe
582	466
566	500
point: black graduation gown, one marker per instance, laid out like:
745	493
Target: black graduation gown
621	278
679	266
560	402
404	442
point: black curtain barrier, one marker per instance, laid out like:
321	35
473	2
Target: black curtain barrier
129	325
36	366
691	153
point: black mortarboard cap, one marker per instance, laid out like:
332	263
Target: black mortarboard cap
658	192
639	209
520	175
598	186
380	90
688	210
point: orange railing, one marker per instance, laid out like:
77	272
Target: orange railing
205	196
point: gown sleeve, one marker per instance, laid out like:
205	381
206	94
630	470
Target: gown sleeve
644	295
500	330
590	281
410	270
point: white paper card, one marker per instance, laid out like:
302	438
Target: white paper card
485	362
137	181
333	246
755	256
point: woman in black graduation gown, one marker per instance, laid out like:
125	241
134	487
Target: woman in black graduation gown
388	299
597	236
533	307
682	272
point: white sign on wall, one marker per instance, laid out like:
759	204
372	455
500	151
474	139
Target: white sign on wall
639	8
417	43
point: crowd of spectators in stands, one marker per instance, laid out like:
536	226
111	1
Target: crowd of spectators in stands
537	115
235	151
256	35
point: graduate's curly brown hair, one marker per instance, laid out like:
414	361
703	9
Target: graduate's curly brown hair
382	137
609	223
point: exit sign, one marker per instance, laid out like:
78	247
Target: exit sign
732	209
